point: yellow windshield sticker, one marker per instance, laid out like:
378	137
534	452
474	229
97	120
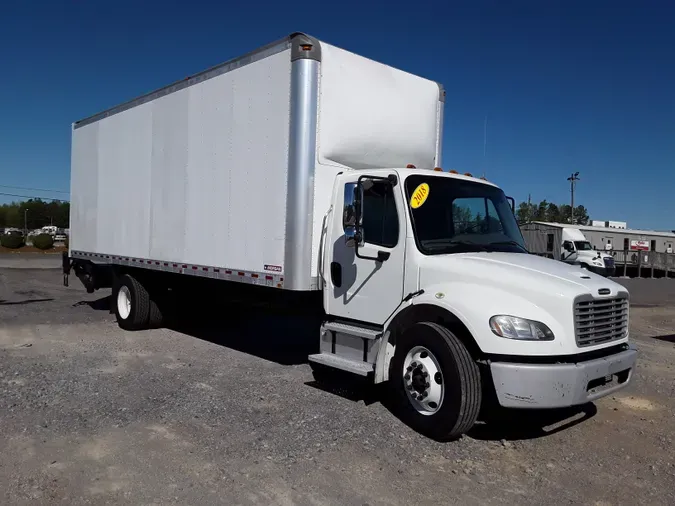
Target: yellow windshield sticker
419	196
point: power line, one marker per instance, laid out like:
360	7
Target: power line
32	197
32	189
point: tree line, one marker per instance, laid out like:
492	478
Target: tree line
40	214
548	211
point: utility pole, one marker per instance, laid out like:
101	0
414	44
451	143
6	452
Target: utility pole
25	223
529	207
573	183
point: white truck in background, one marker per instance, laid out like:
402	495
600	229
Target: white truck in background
305	172
568	244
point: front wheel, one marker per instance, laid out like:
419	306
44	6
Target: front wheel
436	382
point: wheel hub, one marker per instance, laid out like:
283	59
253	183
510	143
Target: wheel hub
124	302
423	380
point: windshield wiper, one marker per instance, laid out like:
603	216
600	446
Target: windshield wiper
510	242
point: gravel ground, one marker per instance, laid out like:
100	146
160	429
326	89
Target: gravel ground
30	260
229	415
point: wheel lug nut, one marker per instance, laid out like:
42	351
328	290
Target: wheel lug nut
409	368
406	377
425	374
427	385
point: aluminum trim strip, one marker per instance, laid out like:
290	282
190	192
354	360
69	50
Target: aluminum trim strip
202	271
301	167
228	66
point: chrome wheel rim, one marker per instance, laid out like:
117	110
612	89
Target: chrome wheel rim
423	380
124	302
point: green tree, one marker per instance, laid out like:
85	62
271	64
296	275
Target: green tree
553	213
525	212
542	208
13	217
581	215
548	211
40	213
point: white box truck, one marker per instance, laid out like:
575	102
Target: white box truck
303	170
568	244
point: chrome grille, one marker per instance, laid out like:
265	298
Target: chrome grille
600	320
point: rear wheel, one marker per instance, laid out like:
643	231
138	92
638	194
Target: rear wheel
436	382
131	303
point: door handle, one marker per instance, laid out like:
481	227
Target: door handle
336	274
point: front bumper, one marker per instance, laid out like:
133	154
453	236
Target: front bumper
602	271
561	385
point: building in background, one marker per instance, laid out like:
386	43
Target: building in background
617	239
608	224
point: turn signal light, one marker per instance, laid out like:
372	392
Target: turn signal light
306	47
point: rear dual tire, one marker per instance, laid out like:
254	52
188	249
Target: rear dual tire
134	308
436	382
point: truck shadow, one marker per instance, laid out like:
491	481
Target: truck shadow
501	424
287	339
262	332
670	338
22	302
494	423
102	304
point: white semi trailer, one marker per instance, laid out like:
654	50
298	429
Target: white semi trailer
290	172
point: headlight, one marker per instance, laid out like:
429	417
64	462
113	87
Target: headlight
512	327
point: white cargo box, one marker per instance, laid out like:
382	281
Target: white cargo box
228	174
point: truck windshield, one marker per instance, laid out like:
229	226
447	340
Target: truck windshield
457	216
583	245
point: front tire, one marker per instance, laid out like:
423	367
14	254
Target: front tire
436	382
132	303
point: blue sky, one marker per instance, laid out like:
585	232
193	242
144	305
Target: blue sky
566	86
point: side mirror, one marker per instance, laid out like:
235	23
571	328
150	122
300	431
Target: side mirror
351	215
513	204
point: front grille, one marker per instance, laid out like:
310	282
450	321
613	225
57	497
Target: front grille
600	320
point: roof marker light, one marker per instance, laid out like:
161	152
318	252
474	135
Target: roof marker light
468	174
453	172
438	169
410	166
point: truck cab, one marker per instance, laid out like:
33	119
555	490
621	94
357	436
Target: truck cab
427	284
576	249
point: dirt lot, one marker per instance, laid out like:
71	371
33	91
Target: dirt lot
228	414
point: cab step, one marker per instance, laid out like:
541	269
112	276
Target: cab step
344	364
352	330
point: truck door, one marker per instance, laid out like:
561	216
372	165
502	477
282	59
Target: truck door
358	285
568	252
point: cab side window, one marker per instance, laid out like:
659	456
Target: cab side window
380	219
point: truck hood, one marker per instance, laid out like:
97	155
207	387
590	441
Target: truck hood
593	254
516	272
